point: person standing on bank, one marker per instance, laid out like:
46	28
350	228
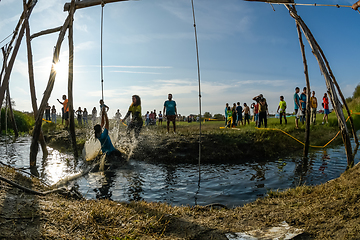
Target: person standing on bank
326	108
313	105
53	114
66	110
170	112
263	110
47	112
303	105
297	106
136	122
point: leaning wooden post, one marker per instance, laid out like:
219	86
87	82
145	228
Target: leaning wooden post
341	95
32	85
70	79
330	86
307	127
5	82
47	93
4	52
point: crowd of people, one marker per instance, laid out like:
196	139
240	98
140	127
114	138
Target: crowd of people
240	115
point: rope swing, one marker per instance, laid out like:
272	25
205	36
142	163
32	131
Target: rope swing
101	50
198	71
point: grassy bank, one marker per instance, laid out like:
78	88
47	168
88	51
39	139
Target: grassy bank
327	211
233	145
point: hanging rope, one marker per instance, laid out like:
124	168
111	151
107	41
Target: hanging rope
198	71
101	50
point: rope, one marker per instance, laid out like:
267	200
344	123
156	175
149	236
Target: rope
276	129
101	50
198	72
7	37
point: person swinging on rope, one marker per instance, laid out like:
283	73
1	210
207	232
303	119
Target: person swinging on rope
136	122
103	136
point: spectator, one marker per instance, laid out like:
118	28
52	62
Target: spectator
93	115
239	111
53	114
263	110
85	116
147	118
47	112
226	116
160	118
326	108
313	105
66	110
297	106
282	108
246	114
170	112
303	105
79	116
233	115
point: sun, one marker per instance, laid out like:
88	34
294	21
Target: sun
61	67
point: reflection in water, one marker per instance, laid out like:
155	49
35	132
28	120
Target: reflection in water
106	182
180	184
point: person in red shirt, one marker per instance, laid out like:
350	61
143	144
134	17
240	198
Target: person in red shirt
326	108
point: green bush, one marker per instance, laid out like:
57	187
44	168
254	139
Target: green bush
24	121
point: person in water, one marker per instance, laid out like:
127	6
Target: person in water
103	136
136	122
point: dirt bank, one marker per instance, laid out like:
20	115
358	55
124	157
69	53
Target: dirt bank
327	211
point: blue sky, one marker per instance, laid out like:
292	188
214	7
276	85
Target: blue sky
245	49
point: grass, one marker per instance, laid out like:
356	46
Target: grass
326	211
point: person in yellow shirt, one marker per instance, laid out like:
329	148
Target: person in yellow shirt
313	106
282	108
136	120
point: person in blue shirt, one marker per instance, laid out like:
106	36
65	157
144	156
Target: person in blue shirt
303	105
296	106
226	109
170	112
103	136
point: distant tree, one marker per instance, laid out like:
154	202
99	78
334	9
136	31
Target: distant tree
219	116
356	93
207	115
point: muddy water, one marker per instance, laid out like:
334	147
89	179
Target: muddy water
178	184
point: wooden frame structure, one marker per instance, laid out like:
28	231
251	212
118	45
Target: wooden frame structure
23	26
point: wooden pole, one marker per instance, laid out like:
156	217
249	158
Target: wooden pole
307	127
89	3
11	113
32	86
4	52
8	69
48	31
70	79
341	95
329	84
47	93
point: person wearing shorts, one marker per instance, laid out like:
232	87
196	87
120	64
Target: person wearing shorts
326	108
160	118
170	112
